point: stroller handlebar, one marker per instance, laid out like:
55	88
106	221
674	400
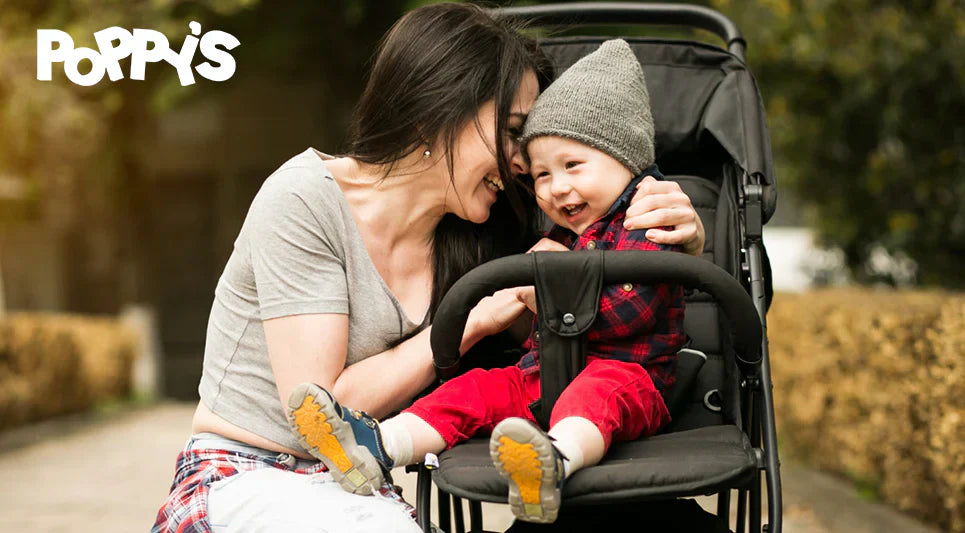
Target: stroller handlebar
619	267
693	16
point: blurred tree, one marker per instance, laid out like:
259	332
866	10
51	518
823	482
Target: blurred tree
865	105
55	132
55	135
71	156
62	146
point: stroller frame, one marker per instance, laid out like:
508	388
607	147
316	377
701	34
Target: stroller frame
745	312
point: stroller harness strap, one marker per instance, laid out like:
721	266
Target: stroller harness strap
568	288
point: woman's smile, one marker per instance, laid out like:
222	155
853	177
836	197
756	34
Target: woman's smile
495	183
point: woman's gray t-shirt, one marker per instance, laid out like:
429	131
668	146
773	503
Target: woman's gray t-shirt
298	252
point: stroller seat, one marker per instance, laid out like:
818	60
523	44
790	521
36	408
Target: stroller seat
685	463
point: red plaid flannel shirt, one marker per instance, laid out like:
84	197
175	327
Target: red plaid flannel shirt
636	323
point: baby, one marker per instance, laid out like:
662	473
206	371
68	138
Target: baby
590	141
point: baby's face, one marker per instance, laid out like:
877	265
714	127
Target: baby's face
575	184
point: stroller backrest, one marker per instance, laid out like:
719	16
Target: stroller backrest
710	130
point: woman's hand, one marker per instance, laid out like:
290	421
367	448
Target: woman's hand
505	308
662	203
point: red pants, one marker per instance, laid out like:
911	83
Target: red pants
618	397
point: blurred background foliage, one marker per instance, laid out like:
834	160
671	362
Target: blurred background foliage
864	99
55	133
865	102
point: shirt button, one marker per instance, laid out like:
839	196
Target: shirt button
628	287
591	245
536	336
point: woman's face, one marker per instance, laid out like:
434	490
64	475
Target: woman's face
476	179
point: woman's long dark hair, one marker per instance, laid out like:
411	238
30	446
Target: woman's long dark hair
433	71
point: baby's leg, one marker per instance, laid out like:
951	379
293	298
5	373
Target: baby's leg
608	400
408	439
346	440
463	406
475	402
355	447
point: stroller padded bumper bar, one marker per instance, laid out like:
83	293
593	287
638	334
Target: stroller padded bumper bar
619	267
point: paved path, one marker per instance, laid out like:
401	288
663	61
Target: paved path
110	473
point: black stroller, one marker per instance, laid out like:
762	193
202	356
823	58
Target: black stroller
712	139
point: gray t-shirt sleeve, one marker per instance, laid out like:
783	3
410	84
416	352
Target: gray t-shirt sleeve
295	257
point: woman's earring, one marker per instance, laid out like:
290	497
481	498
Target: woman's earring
427	154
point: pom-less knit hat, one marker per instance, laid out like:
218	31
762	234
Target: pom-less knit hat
601	101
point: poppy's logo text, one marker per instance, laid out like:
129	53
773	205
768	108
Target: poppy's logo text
143	47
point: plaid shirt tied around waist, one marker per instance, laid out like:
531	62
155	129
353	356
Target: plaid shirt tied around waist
185	510
636	323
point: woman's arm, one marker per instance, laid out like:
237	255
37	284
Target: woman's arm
663	203
313	347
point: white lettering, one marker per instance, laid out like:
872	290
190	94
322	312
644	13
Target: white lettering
113	54
47	55
182	60
143	55
72	67
210	50
143	46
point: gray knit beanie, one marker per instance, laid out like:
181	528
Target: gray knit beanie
601	101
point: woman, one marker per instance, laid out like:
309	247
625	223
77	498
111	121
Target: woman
341	262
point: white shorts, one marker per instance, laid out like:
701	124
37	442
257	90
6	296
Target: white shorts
276	500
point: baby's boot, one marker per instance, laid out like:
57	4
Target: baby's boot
347	441
525	456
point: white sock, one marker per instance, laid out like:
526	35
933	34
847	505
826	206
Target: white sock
580	441
397	441
573	456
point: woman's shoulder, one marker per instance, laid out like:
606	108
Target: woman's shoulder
303	173
304	179
301	193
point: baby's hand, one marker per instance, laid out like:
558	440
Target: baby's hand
493	314
527	295
548	245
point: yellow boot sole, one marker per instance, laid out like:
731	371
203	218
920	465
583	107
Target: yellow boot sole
328	438
524	456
